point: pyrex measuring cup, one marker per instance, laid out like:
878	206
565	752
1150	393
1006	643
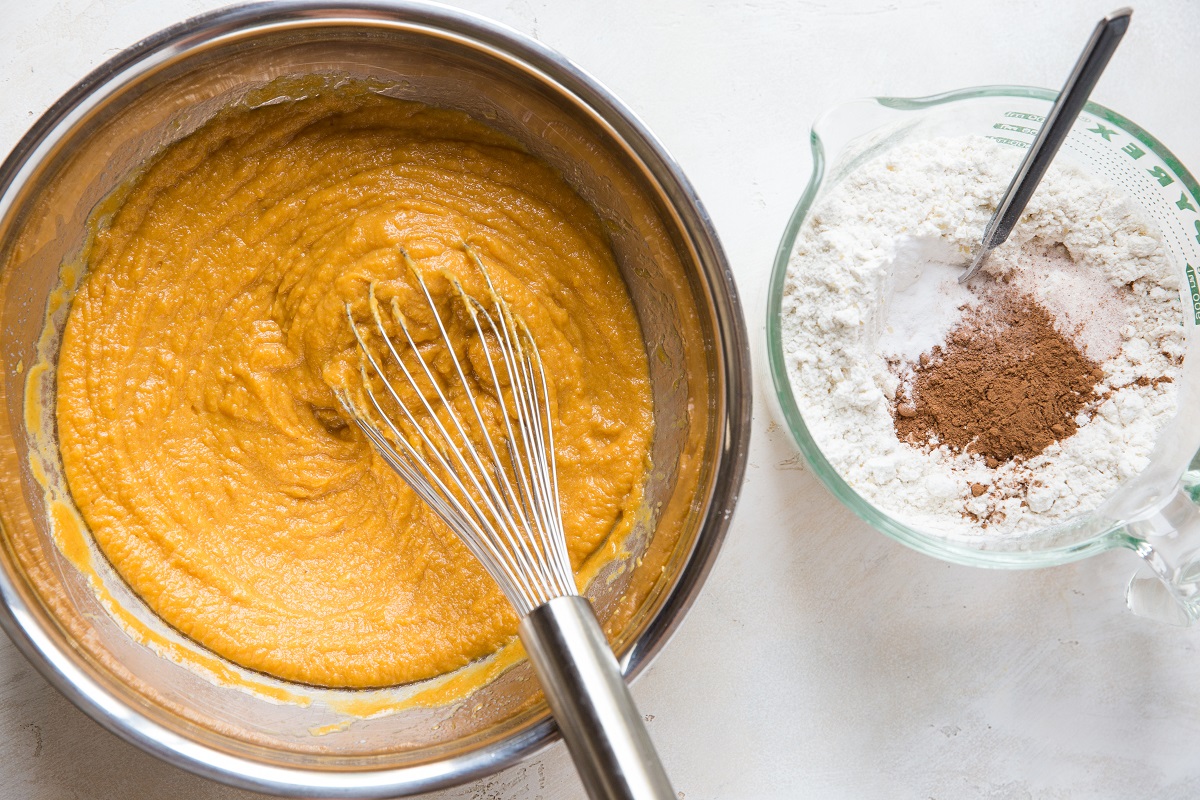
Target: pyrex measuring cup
1157	512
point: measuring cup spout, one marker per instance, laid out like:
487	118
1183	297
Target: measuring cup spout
1167	588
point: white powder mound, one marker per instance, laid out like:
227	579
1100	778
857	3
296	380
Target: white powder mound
872	279
926	299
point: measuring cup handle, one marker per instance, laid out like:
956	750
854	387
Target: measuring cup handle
1167	587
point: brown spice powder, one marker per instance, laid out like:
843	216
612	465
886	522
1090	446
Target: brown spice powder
1004	385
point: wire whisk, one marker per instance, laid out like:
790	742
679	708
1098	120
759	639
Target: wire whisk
502	501
436	422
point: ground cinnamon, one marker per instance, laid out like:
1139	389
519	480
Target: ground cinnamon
1004	385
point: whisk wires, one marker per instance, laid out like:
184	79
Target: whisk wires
500	497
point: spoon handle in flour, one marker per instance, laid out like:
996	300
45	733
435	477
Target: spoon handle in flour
1066	108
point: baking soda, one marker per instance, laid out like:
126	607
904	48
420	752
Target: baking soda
923	300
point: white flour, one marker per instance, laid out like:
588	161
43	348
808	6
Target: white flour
872	277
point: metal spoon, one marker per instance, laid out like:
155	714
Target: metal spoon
1058	124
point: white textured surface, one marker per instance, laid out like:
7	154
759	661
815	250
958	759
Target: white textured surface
822	660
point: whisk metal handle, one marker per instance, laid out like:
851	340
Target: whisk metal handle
583	684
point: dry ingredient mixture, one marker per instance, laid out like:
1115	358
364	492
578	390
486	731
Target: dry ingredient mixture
1004	407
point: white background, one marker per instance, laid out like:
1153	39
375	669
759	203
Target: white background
822	659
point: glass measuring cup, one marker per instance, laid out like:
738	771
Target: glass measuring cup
1155	513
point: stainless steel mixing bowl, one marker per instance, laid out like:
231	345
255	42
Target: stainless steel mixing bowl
161	89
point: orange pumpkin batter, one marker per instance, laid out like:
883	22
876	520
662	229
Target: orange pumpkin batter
200	435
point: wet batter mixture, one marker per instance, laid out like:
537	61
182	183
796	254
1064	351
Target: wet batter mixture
200	434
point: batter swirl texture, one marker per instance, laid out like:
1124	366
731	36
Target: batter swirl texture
199	429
